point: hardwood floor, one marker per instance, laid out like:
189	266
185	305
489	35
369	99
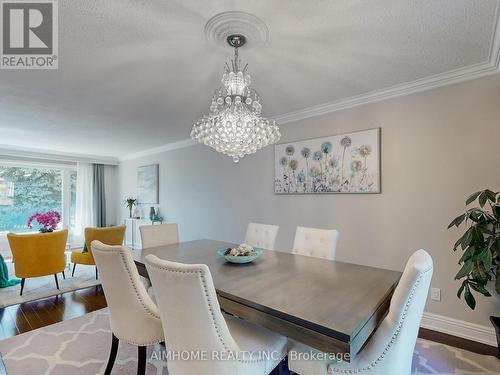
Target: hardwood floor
27	316
458	342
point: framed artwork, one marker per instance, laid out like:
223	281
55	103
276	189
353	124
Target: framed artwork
147	184
345	163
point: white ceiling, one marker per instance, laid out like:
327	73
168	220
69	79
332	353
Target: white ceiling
135	74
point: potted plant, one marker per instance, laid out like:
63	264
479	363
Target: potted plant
130	203
480	244
49	221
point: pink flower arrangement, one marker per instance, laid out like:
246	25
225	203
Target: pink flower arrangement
48	220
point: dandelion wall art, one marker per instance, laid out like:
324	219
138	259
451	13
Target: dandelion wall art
346	163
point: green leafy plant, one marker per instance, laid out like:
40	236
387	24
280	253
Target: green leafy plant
480	245
130	203
35	189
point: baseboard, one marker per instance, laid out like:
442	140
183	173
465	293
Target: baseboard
470	331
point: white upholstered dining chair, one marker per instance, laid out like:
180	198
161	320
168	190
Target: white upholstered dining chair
159	235
195	324
134	317
318	243
154	236
390	349
261	235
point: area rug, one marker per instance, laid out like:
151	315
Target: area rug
78	346
81	346
45	286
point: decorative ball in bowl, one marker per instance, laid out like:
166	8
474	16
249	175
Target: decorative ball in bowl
241	254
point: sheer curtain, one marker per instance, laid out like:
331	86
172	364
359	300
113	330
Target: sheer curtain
84	213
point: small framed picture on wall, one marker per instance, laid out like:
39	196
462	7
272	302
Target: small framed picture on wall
148	184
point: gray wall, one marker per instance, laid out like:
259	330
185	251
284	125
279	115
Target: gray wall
437	148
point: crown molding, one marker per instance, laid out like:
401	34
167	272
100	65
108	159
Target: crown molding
15	153
429	83
449	78
494	56
157	150
489	67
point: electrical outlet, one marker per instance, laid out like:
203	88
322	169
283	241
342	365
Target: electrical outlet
436	294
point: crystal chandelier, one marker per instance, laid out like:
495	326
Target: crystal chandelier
235	125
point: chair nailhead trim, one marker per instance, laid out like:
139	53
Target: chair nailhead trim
146	308
201	274
394	335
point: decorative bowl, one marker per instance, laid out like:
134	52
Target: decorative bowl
240	259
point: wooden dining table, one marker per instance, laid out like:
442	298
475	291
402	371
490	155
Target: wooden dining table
331	306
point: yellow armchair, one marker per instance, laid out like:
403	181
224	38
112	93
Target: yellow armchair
107	235
38	254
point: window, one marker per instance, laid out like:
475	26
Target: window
72	203
26	189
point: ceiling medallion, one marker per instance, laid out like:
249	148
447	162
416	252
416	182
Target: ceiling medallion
222	25
235	126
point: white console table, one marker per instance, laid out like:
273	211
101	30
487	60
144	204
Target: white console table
132	233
